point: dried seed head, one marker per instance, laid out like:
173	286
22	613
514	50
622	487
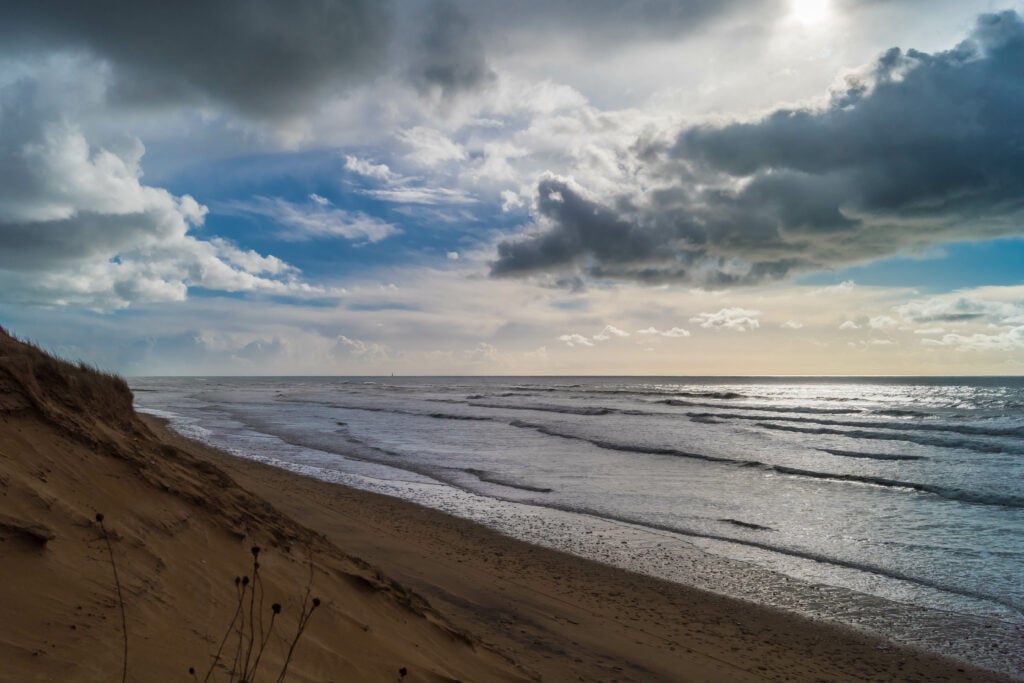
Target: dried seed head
238	580
255	550
245	580
99	517
275	608
192	670
316	602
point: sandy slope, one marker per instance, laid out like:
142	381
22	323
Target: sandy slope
70	446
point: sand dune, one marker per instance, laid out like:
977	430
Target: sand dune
71	446
182	519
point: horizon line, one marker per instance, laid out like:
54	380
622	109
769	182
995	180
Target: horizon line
428	376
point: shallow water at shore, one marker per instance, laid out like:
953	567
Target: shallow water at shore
890	505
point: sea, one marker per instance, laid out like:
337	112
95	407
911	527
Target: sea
889	505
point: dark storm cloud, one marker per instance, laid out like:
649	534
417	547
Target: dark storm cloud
450	56
262	56
601	21
584	226
269	58
919	149
623	244
450	40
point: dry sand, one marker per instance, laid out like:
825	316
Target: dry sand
183	517
71	446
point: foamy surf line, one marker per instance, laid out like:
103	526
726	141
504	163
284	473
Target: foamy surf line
944	492
661	553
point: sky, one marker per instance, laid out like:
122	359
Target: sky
527	187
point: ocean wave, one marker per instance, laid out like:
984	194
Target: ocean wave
920	439
801	553
491	478
967	430
900	412
613	446
805	410
770	409
550	408
708	420
745	525
452	416
870	456
357	449
568	410
416	413
547	408
949	493
720	395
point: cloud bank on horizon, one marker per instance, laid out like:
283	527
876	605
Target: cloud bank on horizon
316	167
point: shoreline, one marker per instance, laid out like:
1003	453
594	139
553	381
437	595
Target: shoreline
565	617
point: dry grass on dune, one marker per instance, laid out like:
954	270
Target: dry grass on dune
179	532
60	392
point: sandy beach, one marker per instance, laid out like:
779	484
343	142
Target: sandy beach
406	593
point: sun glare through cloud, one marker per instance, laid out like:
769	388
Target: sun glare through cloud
811	12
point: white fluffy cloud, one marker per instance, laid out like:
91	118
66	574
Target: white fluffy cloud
316	220
432	196
609	332
736	319
674	332
575	340
251	261
430	147
360	349
1007	340
368	168
882	322
78	225
997	305
984	319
